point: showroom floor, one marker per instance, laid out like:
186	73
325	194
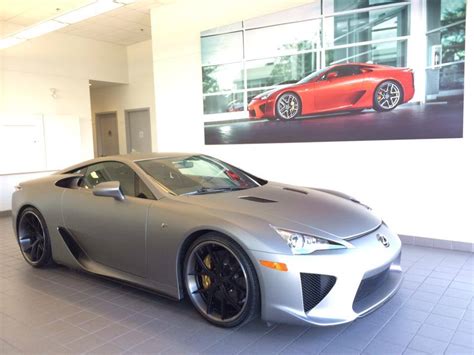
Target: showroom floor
410	121
57	310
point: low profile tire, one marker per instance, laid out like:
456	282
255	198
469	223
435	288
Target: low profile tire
288	106
387	96
33	238
221	281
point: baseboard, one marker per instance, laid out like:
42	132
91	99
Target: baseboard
5	213
437	243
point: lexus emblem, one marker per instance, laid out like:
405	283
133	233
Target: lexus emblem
383	239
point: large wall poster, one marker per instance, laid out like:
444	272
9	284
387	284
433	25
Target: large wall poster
337	70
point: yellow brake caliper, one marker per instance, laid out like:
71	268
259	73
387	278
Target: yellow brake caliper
206	280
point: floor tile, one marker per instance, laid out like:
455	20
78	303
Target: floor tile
454	349
427	345
442	321
75	312
463	339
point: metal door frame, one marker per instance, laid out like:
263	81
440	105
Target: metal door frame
127	126
98	130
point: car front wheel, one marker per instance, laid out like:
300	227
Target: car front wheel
33	238
288	106
221	281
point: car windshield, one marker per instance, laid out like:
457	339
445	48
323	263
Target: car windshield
311	76
197	174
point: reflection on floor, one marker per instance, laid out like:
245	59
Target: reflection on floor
57	310
411	121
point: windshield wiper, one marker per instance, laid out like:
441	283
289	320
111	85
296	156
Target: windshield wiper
211	190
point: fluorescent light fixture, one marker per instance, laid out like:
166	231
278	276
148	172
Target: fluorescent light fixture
40	29
124	2
82	13
96	8
10	41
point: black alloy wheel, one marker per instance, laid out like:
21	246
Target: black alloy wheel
221	281
33	238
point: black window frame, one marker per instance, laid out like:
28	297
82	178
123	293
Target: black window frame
355	70
138	181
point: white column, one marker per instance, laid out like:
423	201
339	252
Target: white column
416	48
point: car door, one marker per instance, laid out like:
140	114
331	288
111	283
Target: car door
339	92
110	232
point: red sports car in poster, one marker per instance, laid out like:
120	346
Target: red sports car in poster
341	87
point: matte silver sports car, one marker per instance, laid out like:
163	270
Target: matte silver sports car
237	245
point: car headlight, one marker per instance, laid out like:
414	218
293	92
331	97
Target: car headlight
300	243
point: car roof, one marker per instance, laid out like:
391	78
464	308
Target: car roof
367	65
127	158
132	157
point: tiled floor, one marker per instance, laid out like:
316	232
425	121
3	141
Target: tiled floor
57	310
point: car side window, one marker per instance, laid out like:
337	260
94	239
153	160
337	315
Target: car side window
142	191
345	71
130	182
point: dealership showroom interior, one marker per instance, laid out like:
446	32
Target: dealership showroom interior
236	177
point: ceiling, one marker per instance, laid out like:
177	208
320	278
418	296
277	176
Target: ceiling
123	26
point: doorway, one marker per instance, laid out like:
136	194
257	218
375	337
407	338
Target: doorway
107	134
137	125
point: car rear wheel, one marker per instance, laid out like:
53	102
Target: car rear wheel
33	238
288	106
221	281
387	96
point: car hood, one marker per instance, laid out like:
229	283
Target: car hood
302	209
274	90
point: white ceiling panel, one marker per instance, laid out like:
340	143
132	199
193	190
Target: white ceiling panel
123	26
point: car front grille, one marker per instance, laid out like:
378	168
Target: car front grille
262	108
315	287
252	113
370	284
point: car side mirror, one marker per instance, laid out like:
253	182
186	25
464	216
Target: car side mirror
109	189
332	75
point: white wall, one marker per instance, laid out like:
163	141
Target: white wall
138	93
64	62
420	187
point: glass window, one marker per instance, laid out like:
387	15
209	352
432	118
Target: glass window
300	13
233	27
331	6
445	12
196	174
225	48
130	183
448	44
280	70
366	26
277	40
227	77
387	53
231	102
451	77
445	79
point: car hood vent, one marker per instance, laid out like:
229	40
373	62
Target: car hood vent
295	190
257	199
